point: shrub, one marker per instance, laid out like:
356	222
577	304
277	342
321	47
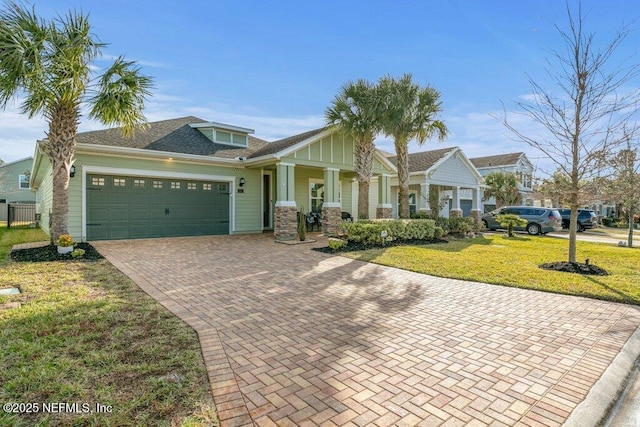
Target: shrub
439	232
77	253
420	215
455	225
510	221
377	232
335	244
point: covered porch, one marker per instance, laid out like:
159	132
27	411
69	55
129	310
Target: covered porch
317	175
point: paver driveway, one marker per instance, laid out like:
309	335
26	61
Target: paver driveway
292	336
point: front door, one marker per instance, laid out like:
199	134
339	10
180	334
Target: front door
267	202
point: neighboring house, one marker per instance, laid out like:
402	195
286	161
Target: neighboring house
450	174
14	184
14	181
515	163
187	176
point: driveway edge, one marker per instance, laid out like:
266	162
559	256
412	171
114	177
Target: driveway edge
602	397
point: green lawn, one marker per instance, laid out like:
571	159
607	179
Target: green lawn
514	262
86	334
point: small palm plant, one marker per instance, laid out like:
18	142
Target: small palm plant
510	221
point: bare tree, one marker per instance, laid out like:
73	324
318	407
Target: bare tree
583	117
625	183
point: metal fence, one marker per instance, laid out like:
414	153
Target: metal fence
21	215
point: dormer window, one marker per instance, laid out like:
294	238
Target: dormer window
224	134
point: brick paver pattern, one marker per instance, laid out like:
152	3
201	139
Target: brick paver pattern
292	336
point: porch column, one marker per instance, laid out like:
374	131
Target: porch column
456	212
285	224
424	198
476	211
384	208
331	209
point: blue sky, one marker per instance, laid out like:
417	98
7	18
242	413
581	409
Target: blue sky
276	66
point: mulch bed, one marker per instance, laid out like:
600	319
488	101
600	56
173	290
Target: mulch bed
575	267
355	246
50	253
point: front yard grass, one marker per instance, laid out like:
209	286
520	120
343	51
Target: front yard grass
86	334
514	262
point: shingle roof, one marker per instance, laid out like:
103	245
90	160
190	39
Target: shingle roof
174	135
497	160
275	146
420	162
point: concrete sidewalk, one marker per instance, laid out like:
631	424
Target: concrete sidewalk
292	336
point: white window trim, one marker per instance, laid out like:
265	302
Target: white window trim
321	181
235	144
20	187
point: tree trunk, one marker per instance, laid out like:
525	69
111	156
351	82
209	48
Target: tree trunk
630	237
60	148
402	153
363	199
363	164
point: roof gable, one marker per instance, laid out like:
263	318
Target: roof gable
422	161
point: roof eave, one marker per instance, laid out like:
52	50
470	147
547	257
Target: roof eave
153	154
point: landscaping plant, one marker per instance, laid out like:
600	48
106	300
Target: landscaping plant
510	221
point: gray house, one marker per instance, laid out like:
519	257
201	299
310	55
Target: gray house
14	184
515	163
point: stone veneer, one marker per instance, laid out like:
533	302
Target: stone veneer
476	214
455	213
331	220
285	223
384	213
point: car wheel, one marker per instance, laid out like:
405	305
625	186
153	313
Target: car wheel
533	228
580	228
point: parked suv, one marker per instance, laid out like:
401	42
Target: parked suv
586	218
539	220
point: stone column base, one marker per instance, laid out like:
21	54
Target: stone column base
384	213
285	225
455	213
476	214
331	220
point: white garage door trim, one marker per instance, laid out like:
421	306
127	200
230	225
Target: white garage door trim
87	169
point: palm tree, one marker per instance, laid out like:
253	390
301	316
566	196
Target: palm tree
354	111
409	112
49	65
504	187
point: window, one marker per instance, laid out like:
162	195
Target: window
192	186
138	183
98	182
413	204
206	186
222	187
157	184
316	196
119	182
23	182
239	139
175	185
223	136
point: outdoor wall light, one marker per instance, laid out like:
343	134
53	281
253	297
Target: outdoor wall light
72	171
241	182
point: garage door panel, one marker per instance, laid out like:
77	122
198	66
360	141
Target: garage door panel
121	207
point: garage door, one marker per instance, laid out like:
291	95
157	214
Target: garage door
126	207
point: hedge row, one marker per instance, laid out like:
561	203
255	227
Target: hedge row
379	232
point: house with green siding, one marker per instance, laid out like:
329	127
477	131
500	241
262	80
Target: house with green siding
188	176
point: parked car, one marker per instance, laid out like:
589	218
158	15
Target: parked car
539	220
586	218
